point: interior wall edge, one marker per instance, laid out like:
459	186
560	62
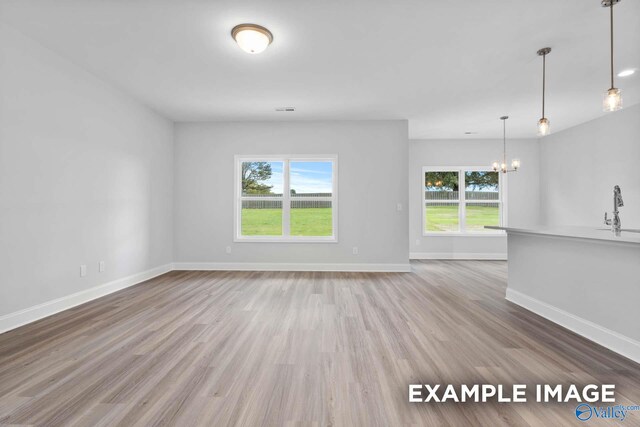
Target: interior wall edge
125	94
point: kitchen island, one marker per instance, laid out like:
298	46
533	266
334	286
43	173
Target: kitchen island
585	279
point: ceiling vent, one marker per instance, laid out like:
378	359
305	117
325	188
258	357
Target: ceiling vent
286	109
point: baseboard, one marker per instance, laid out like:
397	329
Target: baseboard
37	312
458	255
251	266
612	340
28	315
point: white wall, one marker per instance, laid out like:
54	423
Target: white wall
85	175
522	195
372	158
580	166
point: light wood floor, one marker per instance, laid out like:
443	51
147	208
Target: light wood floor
273	348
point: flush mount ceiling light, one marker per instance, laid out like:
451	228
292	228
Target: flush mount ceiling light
252	38
626	73
543	123
613	97
515	163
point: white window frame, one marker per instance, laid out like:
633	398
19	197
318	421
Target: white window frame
286	159
502	202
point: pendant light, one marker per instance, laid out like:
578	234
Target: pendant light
613	97
543	123
515	163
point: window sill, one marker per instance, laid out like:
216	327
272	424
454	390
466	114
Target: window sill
301	239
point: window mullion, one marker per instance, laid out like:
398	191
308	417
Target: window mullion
286	201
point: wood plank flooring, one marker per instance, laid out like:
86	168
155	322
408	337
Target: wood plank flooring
295	348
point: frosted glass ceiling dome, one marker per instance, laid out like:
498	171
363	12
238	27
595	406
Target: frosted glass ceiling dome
252	38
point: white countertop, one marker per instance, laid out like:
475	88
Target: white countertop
595	233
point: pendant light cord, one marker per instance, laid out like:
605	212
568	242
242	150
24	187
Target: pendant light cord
544	74
504	142
611	21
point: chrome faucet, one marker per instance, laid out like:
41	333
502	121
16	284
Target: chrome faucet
617	203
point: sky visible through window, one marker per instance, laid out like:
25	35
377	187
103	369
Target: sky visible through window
276	180
304	177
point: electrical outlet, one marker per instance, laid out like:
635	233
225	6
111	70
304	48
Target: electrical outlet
228	249
101	266
355	250
83	270
399	207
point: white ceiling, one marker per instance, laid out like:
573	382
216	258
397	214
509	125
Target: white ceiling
446	66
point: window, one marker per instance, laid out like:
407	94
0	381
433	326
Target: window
286	199
461	200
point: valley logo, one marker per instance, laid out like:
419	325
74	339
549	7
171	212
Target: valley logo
585	412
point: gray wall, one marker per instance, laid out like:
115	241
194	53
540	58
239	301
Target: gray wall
372	158
523	199
580	166
85	175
